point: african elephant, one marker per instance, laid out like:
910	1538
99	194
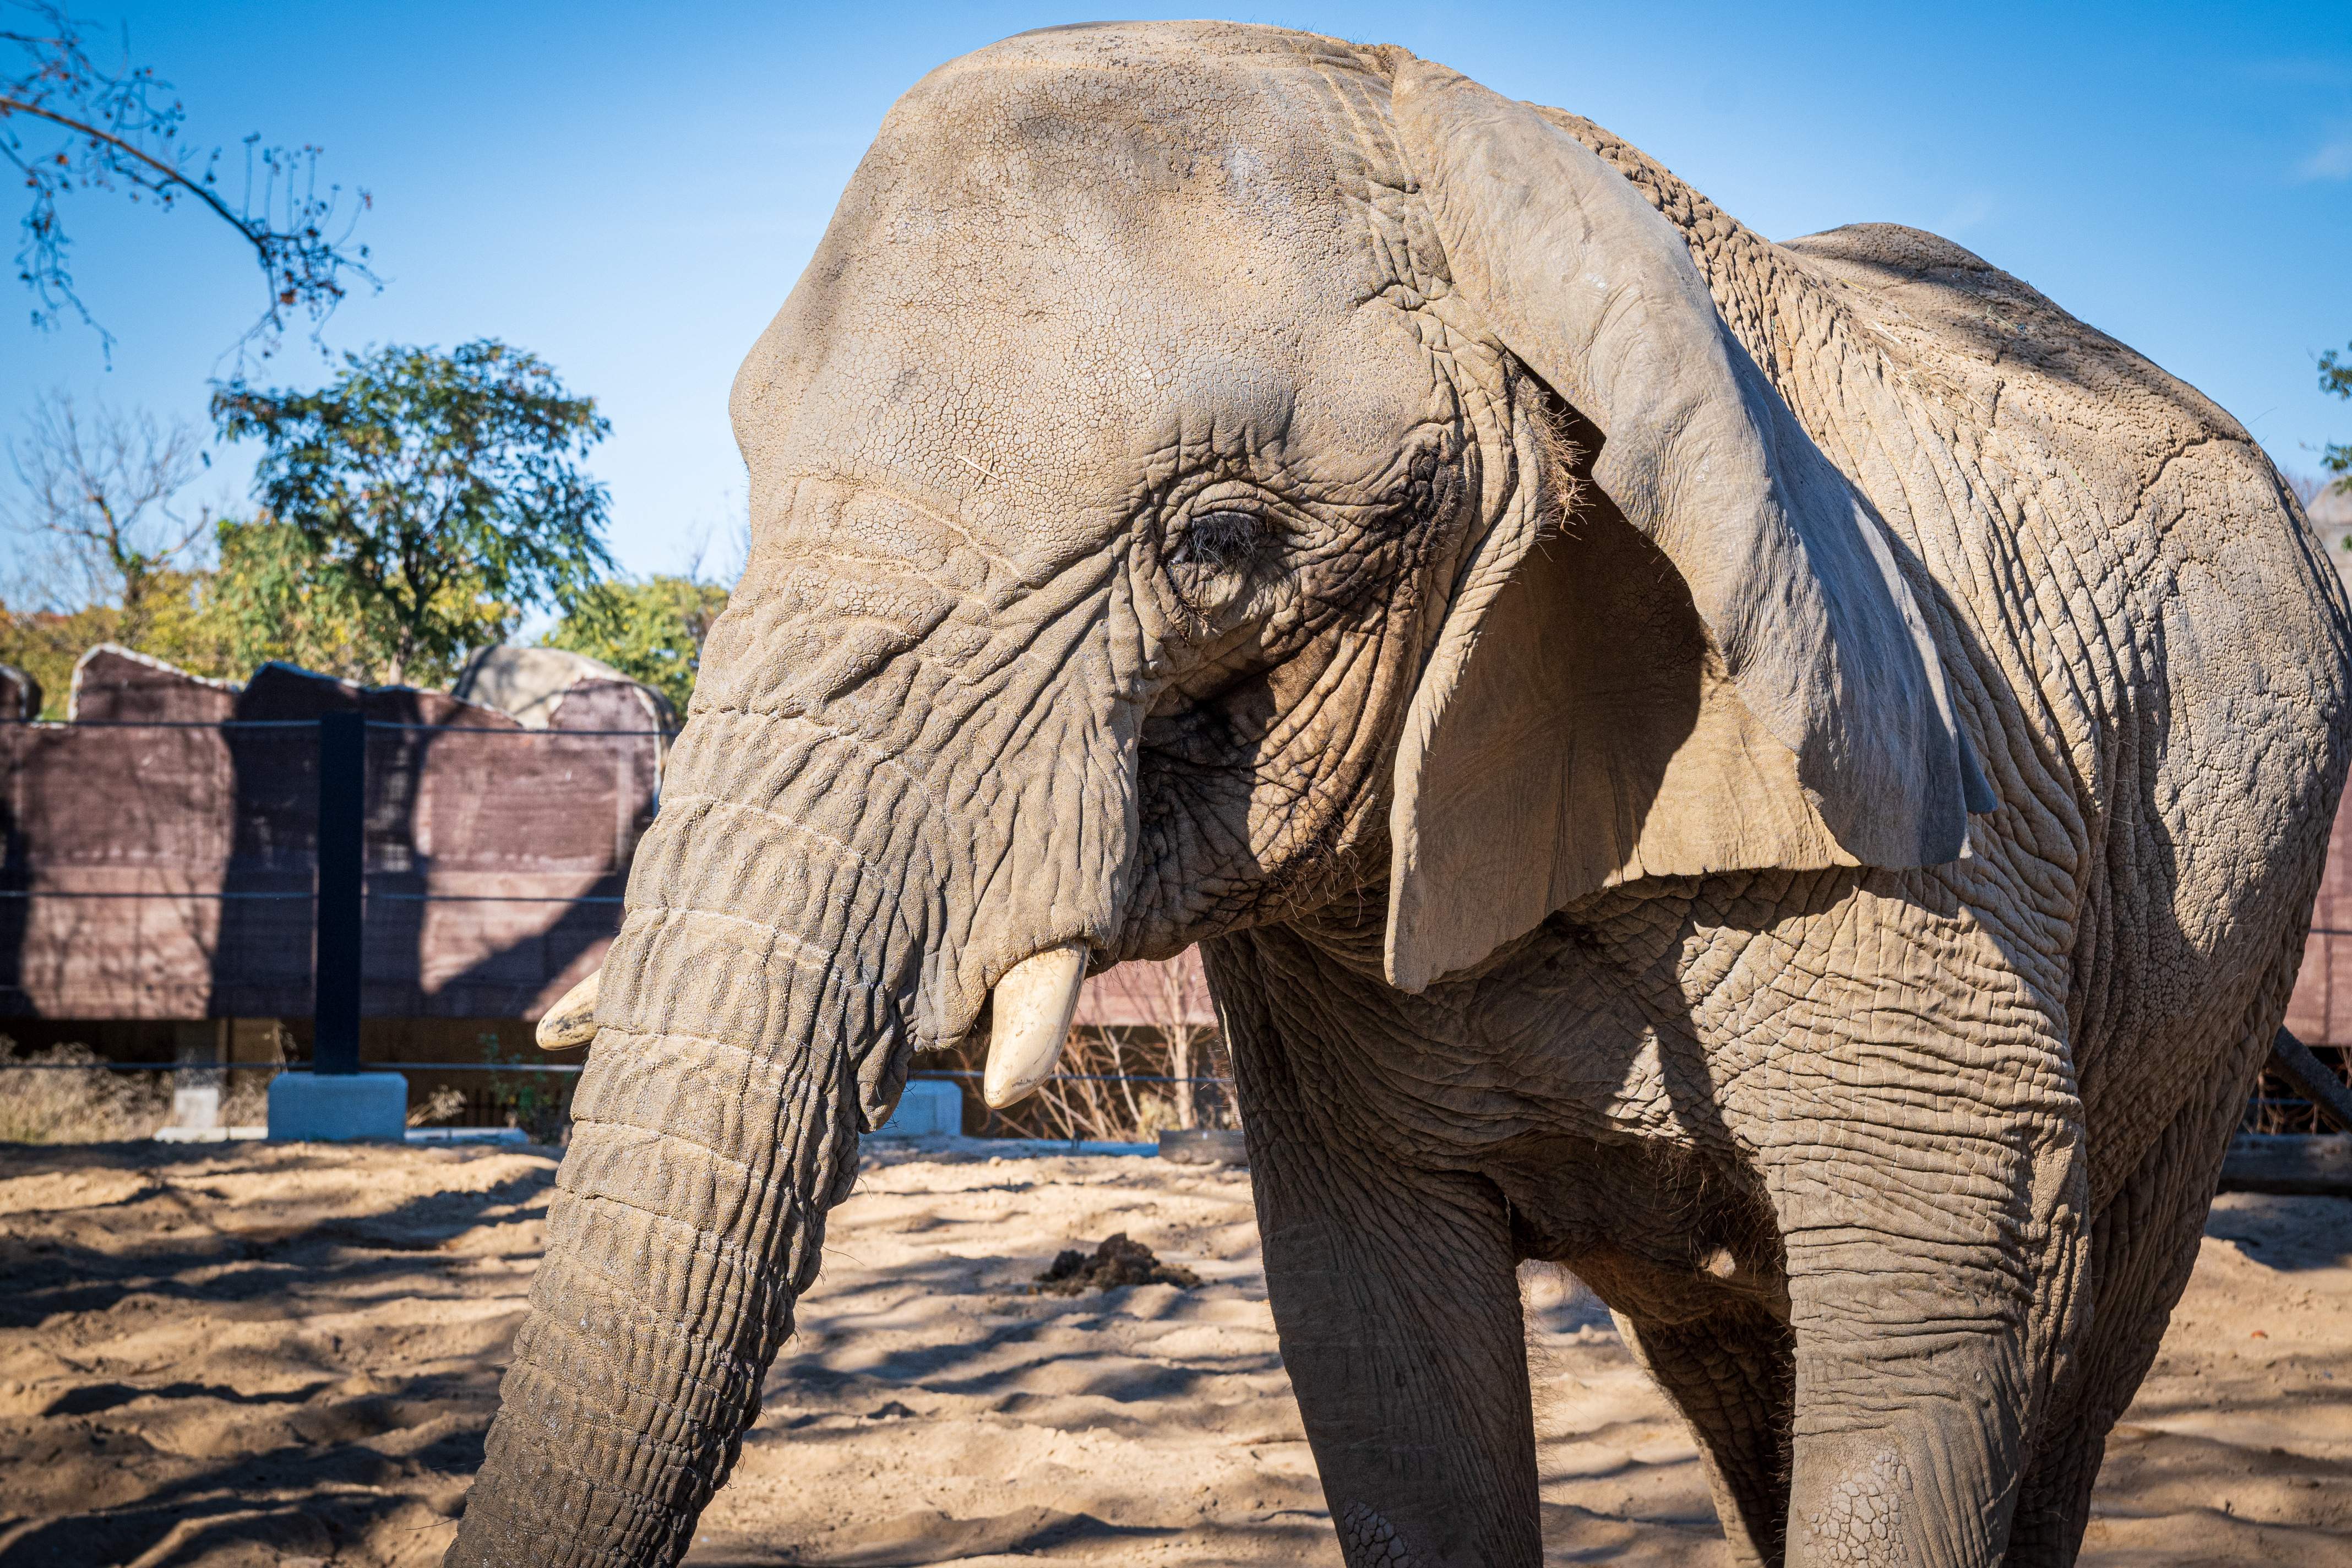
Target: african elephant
1789	778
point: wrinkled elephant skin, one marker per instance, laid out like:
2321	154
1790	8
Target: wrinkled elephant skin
1787	778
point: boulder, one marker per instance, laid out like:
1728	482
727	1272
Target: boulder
532	683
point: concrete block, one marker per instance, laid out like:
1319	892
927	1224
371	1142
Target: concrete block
1205	1146
337	1107
196	1107
931	1108
209	1134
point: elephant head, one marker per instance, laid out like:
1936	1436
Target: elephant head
1204	472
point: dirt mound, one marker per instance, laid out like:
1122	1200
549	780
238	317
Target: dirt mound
1116	1262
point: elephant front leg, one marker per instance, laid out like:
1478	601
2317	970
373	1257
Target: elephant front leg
1931	1304
1397	1300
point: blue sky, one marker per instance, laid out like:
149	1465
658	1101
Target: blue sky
630	192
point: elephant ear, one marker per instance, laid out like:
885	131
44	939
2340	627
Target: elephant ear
1587	717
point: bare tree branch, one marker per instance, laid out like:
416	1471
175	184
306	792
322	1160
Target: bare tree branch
100	488
116	131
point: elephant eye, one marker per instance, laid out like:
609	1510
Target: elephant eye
1216	541
1209	557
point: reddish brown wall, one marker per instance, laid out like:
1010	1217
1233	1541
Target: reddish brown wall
523	838
2321	1011
474	814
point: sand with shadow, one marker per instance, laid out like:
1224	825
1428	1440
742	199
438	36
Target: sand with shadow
273	1354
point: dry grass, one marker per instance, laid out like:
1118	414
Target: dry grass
40	1106
246	1103
1098	1094
444	1104
1162	1066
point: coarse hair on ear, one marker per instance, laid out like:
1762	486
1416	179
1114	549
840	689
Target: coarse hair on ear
1715	665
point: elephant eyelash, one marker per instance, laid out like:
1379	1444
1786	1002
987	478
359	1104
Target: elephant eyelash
1218	541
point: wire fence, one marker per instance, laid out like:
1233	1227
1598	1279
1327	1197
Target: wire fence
219	1067
341	900
346	893
2276	1106
68	725
80	815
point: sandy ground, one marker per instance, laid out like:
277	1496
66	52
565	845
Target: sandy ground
263	1354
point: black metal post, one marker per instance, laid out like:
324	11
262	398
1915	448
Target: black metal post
343	839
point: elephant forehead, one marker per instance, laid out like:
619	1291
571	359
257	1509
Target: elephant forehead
1051	274
1058	148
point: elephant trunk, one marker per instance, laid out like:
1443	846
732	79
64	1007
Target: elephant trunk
836	869
751	1022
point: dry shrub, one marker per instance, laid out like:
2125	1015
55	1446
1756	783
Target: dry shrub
246	1103
445	1103
40	1106
1125	1081
1096	1094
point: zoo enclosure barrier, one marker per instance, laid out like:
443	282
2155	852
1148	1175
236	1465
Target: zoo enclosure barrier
207	814
351	805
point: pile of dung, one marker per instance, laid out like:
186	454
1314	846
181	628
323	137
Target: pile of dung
1116	1262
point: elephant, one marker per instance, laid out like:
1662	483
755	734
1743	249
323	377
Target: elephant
1787	778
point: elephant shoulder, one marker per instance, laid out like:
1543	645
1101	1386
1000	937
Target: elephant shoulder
2008	354
1891	248
1913	265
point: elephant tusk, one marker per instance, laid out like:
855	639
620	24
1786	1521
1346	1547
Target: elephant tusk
573	1020
1034	1004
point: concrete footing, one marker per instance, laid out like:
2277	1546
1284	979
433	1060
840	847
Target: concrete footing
337	1107
931	1108
196	1107
1205	1146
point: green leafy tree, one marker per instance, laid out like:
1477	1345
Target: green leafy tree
180	626
259	602
432	497
264	602
2335	376
650	629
